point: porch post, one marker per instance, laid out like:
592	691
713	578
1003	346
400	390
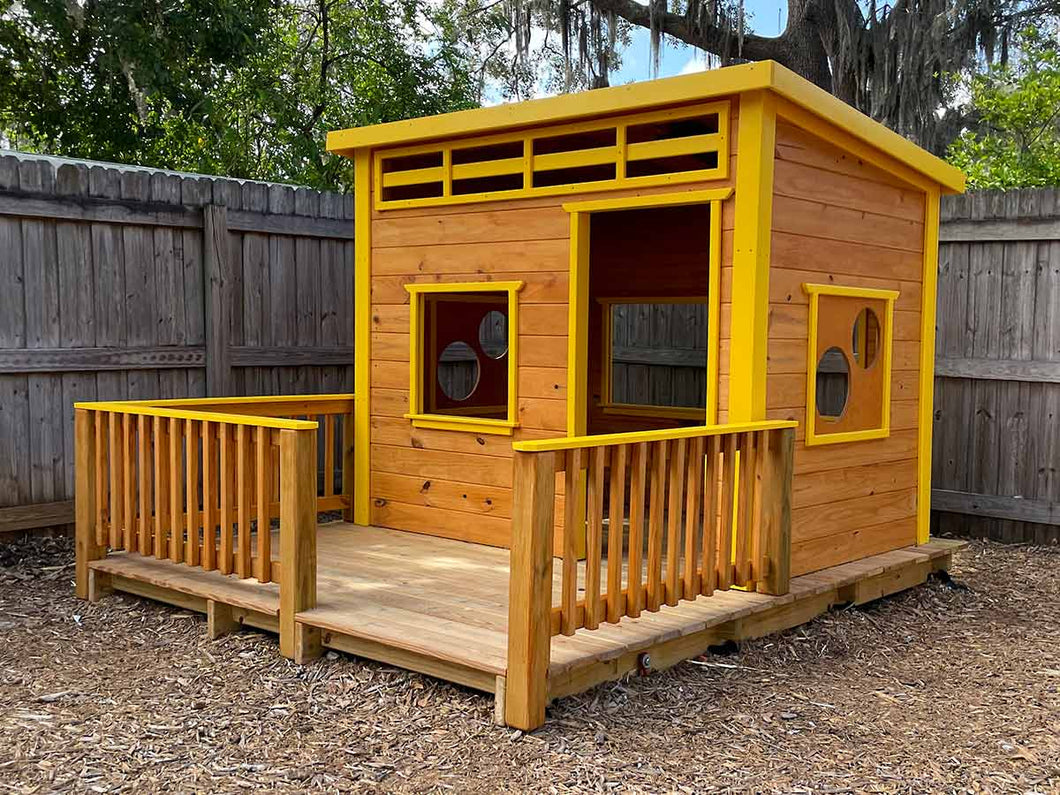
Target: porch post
85	516
298	542
530	589
776	544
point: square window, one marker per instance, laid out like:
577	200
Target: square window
463	356
848	389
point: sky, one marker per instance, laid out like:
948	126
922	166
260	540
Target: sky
675	60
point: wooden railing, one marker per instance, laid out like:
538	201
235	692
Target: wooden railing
201	482
667	515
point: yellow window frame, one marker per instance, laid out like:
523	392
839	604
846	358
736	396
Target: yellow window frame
883	430
455	422
621	154
607	403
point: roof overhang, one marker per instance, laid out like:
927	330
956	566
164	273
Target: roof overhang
760	75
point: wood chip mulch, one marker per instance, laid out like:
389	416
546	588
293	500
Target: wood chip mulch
943	688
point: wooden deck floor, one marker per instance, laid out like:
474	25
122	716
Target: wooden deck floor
441	606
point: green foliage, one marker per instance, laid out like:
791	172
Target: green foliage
1016	143
234	87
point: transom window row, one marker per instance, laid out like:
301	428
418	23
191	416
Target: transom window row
681	145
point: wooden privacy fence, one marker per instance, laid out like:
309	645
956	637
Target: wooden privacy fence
669	516
201	482
126	283
996	453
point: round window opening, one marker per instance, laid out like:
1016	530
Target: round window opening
493	334
866	338
458	371
833	384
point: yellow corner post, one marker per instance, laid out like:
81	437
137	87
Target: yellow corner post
749	329
362	327
926	397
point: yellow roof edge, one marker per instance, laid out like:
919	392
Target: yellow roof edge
653	93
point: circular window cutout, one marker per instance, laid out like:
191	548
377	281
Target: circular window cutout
458	371
493	334
833	384
866	338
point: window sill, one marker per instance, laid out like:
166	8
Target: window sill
659	412
448	422
814	439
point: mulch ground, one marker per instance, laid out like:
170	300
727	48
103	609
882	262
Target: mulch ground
937	689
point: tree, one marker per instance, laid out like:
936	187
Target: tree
1016	142
896	62
234	87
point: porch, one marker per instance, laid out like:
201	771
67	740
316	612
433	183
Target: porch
216	506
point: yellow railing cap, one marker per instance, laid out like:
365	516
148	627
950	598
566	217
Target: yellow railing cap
142	409
605	439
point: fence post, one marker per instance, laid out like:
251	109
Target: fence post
530	589
85	499
776	498
298	542
217	285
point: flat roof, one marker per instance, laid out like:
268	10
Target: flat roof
759	75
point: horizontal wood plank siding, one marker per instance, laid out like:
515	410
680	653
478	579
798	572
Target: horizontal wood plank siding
840	221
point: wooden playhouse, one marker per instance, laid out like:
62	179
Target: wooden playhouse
637	370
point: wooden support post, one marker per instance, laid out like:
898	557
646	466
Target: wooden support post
298	542
218	306
87	549
349	459
99	585
219	619
775	546
530	589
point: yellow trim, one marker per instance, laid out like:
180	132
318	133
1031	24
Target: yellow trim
446	422
362	335
814	291
140	409
632	437
714	313
644	202
185	402
662	412
578	326
613	154
749	318
455	422
733	80
926	393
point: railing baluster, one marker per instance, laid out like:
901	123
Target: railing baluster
146	496
655	524
693	488
114	458
209	496
758	522
329	454
128	484
243	487
225	471
191	457
161	487
745	508
572	513
262	490
673	523
594	535
725	530
637	479
100	456
711	506
176	489
616	606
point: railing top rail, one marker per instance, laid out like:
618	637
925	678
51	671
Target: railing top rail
605	439
140	408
